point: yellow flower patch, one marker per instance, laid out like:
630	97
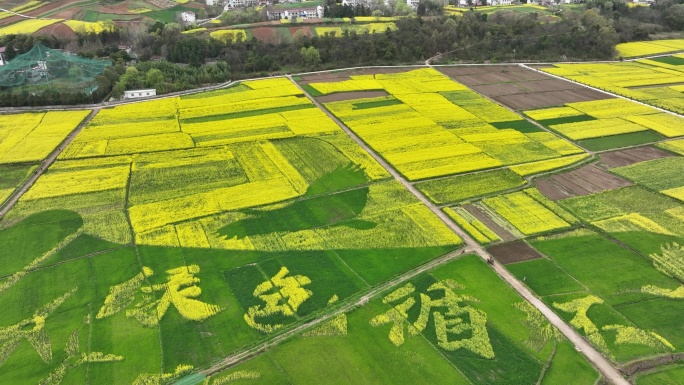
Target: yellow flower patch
525	213
32	137
546	165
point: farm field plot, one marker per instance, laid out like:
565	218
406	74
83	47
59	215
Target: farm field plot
583	181
11	177
27	26
655	82
370	28
670	375
31	137
618	299
645	48
469	186
641	218
511	216
496	339
609	123
438	127
631	156
520	88
173	232
459	188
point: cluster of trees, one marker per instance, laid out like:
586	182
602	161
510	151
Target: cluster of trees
638	23
472	37
332	9
169	77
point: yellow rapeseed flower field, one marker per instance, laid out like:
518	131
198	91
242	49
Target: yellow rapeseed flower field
32	137
27	26
525	213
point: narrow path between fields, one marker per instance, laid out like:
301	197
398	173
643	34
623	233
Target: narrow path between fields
14	198
601	363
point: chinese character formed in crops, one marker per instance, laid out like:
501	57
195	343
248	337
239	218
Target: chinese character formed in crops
74	358
32	330
625	334
457	324
282	294
180	290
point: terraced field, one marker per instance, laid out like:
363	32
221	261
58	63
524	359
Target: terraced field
247	235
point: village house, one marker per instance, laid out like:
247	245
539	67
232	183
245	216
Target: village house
188	17
299	13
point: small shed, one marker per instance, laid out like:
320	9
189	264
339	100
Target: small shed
135	94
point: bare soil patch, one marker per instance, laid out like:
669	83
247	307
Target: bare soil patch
631	156
530	100
342	96
504	234
58	30
266	35
586	180
494	90
305	30
66	14
512	252
473	76
520	88
36	12
546	85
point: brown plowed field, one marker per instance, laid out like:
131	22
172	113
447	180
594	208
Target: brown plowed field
504	234
478	75
36	12
529	101
266	35
513	252
630	156
583	181
341	96
519	88
305	30
59	30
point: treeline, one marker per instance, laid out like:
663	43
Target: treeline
171	61
168	77
471	37
638	23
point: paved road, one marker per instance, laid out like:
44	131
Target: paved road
14	198
603	365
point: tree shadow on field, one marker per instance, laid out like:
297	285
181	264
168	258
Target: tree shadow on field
333	209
